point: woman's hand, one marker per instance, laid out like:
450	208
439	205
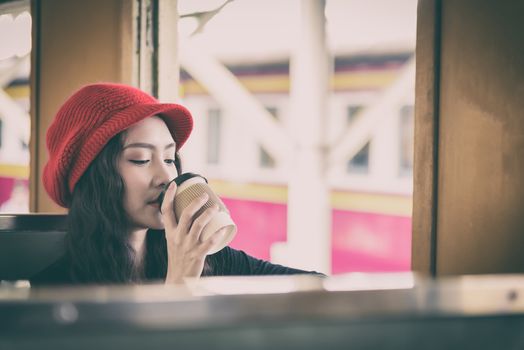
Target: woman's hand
185	252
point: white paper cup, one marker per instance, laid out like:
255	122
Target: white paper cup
191	186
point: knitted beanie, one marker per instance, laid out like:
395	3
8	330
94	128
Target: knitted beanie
89	119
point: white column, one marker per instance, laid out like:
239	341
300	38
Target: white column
309	213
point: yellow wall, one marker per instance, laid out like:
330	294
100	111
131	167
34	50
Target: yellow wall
74	43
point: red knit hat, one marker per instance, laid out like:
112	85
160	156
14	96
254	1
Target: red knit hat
89	119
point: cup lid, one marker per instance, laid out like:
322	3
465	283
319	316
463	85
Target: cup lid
183	177
178	180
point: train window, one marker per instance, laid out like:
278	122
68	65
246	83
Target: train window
406	140
273	111
352	113
360	162
265	159
214	121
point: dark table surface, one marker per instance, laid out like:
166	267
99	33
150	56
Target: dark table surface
370	311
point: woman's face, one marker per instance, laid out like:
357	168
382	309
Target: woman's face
146	164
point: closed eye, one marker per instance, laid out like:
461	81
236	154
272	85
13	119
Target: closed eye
139	162
169	161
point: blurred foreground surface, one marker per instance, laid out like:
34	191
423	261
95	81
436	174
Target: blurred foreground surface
372	311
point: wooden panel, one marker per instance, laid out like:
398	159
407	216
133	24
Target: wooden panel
481	151
75	43
426	136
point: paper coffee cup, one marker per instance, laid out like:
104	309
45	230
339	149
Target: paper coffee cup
191	186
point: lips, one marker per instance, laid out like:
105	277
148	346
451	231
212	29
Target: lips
154	201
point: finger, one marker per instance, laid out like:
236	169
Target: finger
208	244
167	209
200	223
187	215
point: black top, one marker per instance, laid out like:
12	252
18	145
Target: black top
226	262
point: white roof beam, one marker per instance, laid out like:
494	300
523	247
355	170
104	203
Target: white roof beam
246	110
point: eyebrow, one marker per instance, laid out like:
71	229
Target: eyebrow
146	145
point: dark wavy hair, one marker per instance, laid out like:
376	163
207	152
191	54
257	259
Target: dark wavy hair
98	227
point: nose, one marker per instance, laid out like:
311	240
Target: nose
163	174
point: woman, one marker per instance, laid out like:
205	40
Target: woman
112	149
